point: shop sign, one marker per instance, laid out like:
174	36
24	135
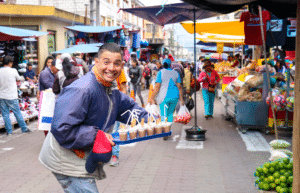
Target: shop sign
220	47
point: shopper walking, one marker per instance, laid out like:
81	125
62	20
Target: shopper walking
167	90
86	109
9	95
147	75
80	62
65	77
135	74
209	79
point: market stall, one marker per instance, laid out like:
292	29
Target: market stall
15	42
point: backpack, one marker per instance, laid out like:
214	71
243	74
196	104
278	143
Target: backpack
146	73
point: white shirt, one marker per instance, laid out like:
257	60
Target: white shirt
8	83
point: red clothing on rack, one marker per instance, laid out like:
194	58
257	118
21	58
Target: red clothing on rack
252	27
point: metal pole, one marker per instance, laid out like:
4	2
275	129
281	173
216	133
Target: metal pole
195	64
267	70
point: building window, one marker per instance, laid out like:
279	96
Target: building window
108	23
108	1
118	3
103	21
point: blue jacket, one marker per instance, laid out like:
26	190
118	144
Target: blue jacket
86	106
46	79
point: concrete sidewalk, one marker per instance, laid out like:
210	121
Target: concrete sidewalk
221	164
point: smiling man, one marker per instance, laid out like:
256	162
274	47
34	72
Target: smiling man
89	104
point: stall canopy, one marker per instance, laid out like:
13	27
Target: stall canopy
83	48
94	29
171	13
280	8
235	28
9	33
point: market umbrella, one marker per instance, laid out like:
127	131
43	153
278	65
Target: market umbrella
231	27
280	8
94	29
9	33
83	48
170	13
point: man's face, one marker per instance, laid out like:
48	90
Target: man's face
53	69
29	68
109	65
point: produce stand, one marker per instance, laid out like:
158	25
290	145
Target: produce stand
248	114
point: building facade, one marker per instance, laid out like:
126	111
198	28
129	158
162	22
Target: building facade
40	18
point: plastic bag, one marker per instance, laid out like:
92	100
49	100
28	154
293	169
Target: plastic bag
153	109
190	103
183	115
276	155
279	144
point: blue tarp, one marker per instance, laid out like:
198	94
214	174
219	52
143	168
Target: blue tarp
170	13
94	29
9	33
206	43
83	48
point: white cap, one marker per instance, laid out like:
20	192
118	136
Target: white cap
58	64
66	55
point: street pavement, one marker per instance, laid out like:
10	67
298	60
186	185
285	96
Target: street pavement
224	163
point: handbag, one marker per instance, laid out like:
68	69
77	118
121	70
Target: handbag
211	88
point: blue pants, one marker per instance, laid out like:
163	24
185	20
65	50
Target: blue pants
171	104
6	106
116	148
209	99
77	184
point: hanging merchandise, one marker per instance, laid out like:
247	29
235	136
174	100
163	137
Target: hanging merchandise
154	56
144	43
136	39
122	38
109	38
80	41
252	27
126	55
277	28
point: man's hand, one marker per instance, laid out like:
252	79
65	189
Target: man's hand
110	138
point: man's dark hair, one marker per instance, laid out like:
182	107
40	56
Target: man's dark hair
237	55
76	54
29	64
54	55
7	60
111	47
201	57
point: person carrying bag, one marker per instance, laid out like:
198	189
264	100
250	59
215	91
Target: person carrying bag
209	79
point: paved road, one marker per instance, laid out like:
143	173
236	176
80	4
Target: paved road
221	164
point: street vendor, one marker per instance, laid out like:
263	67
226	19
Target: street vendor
236	62
86	108
30	74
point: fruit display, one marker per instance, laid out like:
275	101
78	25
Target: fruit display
275	176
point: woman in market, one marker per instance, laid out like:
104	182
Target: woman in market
65	77
280	66
47	76
209	79
135	74
167	91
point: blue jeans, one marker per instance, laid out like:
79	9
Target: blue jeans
116	148
6	106
77	184
171	104
209	99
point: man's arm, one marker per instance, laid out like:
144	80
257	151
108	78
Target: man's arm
68	120
180	93
45	80
155	92
127	103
